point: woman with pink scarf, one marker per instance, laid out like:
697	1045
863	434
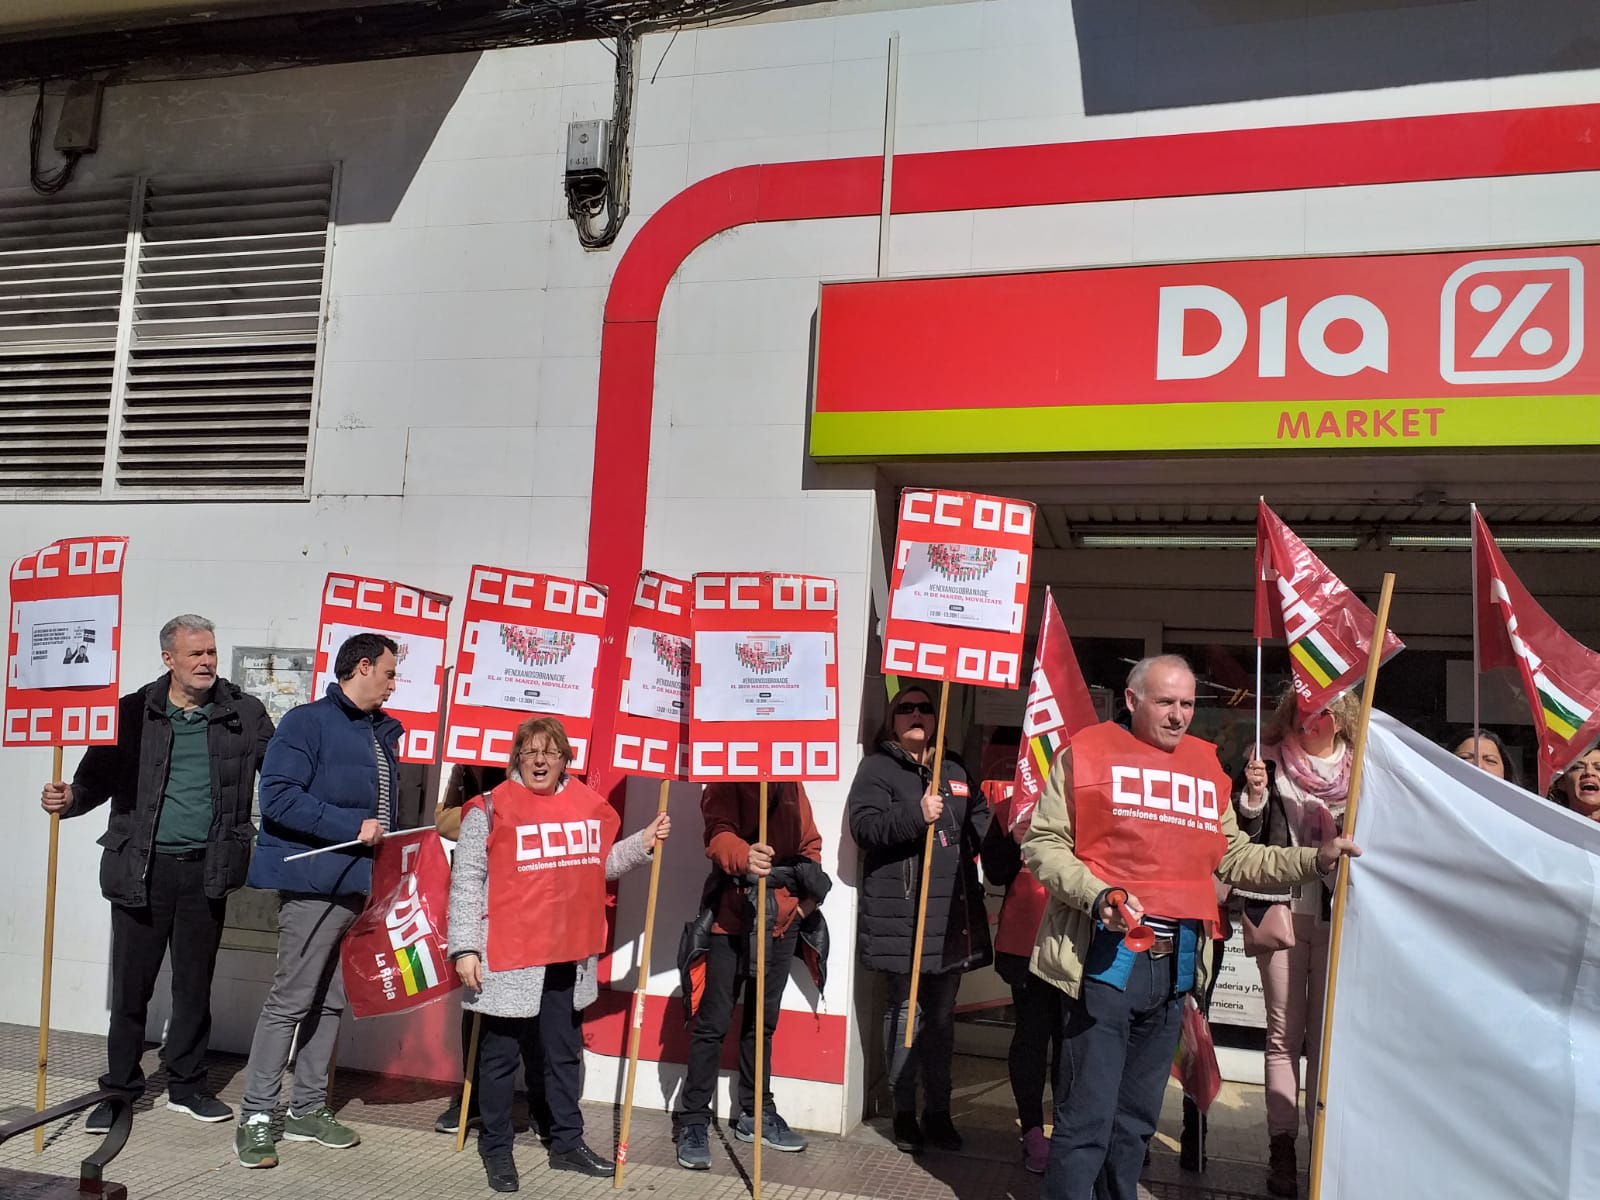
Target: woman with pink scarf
1293	795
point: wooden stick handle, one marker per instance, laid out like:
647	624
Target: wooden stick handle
761	1001
927	870
466	1081
49	954
1341	887
636	1029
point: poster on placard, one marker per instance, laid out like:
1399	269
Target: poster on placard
530	646
958	594
64	643
658	682
761	676
535	670
416	621
764	674
952	584
650	731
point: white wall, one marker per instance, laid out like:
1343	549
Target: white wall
457	412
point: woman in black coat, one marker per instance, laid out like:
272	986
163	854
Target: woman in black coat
892	805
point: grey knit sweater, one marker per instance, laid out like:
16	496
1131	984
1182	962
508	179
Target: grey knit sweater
513	993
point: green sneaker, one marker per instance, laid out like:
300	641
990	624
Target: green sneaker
319	1125
252	1141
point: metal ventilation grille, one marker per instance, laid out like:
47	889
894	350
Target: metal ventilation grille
226	312
62	264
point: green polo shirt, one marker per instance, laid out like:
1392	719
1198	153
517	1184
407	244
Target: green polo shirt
186	805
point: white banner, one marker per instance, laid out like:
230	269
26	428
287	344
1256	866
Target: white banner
65	643
970	586
1465	1057
416	677
533	670
763	676
658	675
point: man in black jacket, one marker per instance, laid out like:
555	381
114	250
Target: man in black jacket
180	779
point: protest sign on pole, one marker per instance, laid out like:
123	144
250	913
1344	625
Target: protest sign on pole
61	689
764	705
530	645
650	732
958	600
417	620
395	957
959	588
650	737
764	696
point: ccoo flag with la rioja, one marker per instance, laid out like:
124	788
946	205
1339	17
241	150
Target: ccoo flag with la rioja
1560	675
1300	600
1059	704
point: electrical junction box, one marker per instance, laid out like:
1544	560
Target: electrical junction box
78	129
588	144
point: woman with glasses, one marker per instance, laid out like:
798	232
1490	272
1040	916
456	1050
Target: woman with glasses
527	924
892	806
1578	787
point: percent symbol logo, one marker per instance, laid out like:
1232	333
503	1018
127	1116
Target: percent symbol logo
1526	298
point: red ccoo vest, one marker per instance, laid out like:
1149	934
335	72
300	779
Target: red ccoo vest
547	875
1150	820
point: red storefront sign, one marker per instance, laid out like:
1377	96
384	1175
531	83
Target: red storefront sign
1412	350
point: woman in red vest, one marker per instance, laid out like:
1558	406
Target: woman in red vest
527	925
1035	1004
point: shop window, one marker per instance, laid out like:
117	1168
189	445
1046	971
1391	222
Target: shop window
159	338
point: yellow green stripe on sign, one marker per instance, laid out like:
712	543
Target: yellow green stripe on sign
406	959
1563	715
1360	426
1312	666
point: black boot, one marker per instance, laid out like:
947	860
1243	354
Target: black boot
1282	1175
1192	1145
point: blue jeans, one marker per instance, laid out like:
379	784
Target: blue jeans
1116	1053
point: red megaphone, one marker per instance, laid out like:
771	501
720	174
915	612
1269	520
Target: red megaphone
1138	938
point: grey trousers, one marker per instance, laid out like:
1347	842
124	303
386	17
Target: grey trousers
307	994
933	1040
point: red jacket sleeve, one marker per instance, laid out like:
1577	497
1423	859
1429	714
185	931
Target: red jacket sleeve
810	839
723	808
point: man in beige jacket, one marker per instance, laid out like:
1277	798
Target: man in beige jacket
1145	814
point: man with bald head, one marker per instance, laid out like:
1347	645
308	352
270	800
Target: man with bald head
1141	813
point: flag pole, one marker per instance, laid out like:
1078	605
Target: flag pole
761	1003
1257	753
637	1027
49	953
466	1080
927	870
1254	620
1341	885
1477	660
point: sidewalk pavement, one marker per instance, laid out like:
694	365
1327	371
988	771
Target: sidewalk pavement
174	1157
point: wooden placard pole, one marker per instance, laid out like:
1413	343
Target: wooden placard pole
927	868
1341	885
49	953
466	1081
636	1027
761	1001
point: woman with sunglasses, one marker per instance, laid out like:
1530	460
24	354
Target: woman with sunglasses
1294	794
527	924
892	806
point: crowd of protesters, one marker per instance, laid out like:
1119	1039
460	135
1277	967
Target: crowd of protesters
1094	1017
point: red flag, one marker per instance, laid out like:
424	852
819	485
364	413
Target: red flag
1059	705
1560	675
394	955
1298	599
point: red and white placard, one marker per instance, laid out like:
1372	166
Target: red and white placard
764	700
65	643
959	592
530	646
651	732
417	620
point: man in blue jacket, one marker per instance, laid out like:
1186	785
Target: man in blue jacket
330	776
